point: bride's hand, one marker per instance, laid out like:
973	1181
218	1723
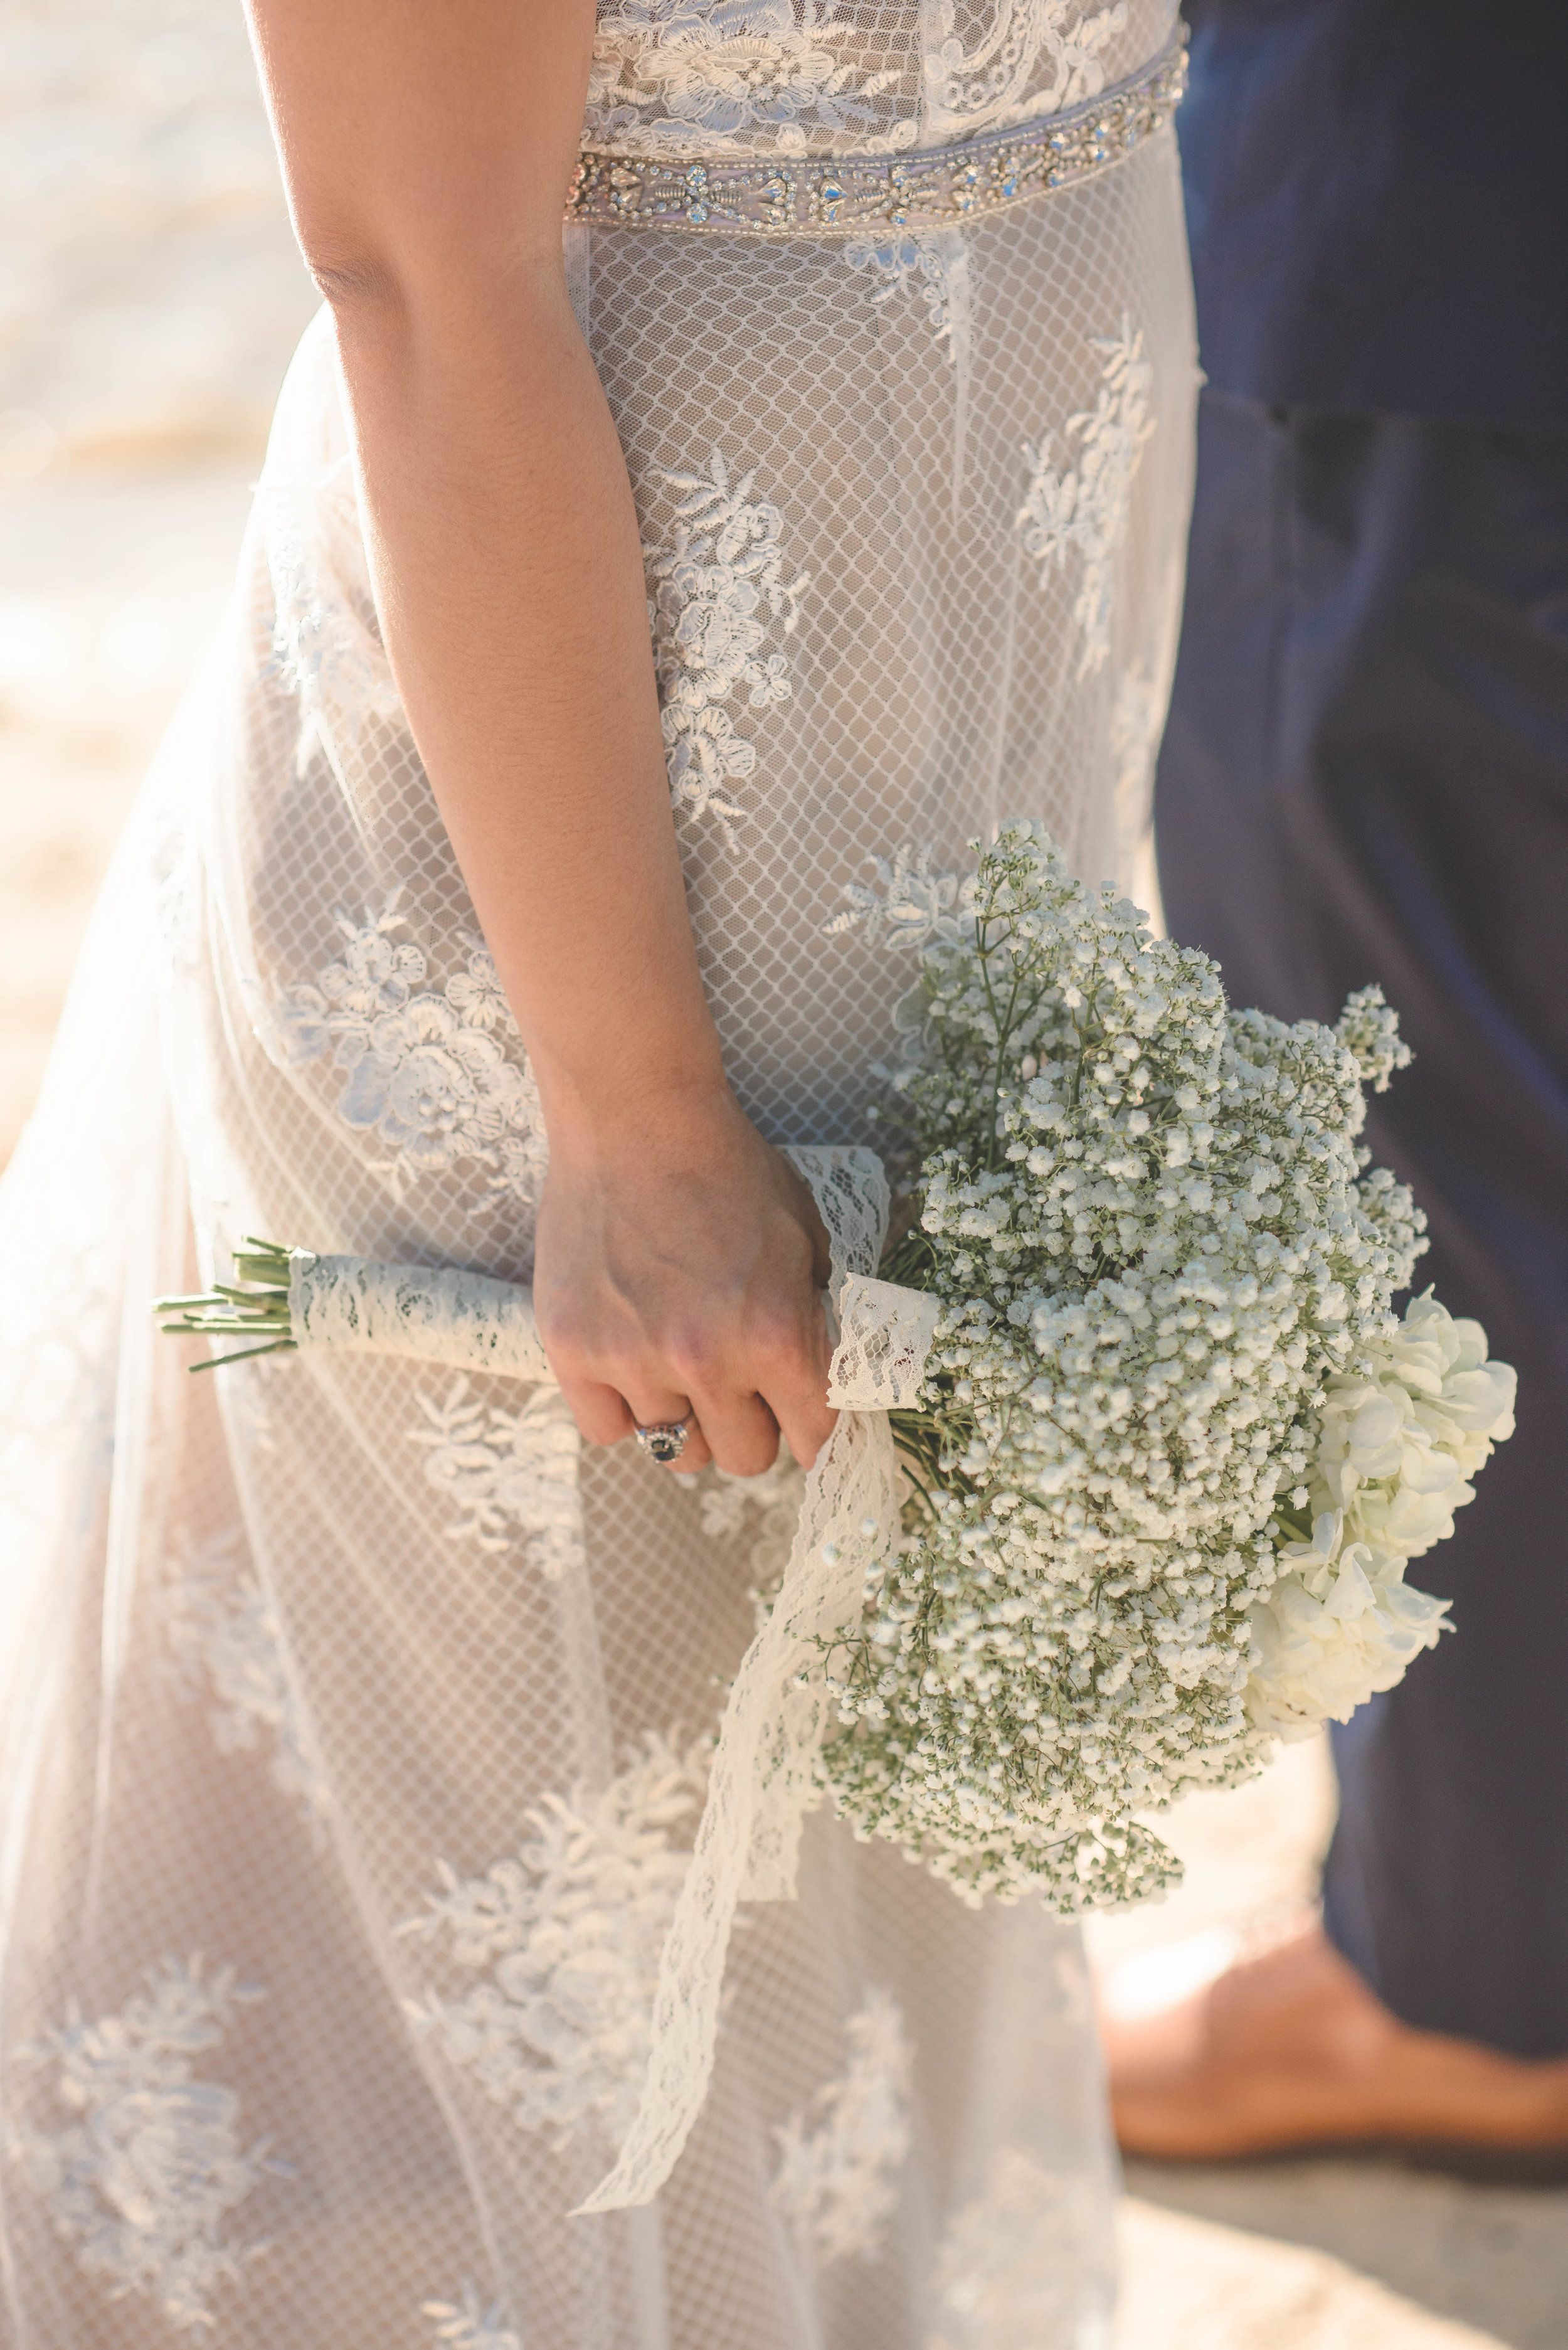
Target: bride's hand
679	1269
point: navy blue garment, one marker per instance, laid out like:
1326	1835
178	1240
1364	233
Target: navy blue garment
1364	776
1376	195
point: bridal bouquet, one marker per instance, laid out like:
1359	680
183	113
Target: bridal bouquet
1167	1449
1173	1450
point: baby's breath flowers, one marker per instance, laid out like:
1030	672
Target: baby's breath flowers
1174	1449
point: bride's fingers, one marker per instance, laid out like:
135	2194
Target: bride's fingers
794	1388
807	1425
741	1432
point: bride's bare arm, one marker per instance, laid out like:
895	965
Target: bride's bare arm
428	146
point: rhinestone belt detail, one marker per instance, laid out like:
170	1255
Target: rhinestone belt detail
939	187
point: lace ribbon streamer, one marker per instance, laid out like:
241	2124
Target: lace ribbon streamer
760	1785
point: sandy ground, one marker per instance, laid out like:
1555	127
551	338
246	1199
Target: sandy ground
109	583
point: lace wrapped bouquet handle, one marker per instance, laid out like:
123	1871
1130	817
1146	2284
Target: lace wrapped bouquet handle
292	1298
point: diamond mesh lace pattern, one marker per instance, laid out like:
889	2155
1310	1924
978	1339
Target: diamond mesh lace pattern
446	1688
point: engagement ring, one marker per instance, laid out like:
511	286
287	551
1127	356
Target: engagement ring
664	1440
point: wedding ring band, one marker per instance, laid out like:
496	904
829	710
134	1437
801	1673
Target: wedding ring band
664	1440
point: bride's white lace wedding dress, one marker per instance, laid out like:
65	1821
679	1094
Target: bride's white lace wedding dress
356	1726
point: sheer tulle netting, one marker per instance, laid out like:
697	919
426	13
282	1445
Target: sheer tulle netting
357	1724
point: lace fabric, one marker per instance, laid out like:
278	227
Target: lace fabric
322	1644
792	78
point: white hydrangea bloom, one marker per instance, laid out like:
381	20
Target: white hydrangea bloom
1338	1626
1402	1436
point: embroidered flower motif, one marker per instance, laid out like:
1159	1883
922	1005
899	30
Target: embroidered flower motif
935	263
374	976
522	1155
566	1937
225	1637
909	904
508	1473
429	1074
468	2326
744	75
1000	80
836	2180
522	1159
429	1086
726	566
1085	512
476	995
755	77
1339	1624
143	2181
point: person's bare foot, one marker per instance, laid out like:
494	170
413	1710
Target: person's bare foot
1290	2050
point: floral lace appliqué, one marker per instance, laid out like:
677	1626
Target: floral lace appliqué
144	2177
467	2326
508	1473
909	904
1083	511
1027	58
225	1637
839	2159
565	1938
724	571
428	1075
741	76
935	264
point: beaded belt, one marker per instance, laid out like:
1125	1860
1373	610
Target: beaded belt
939	187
